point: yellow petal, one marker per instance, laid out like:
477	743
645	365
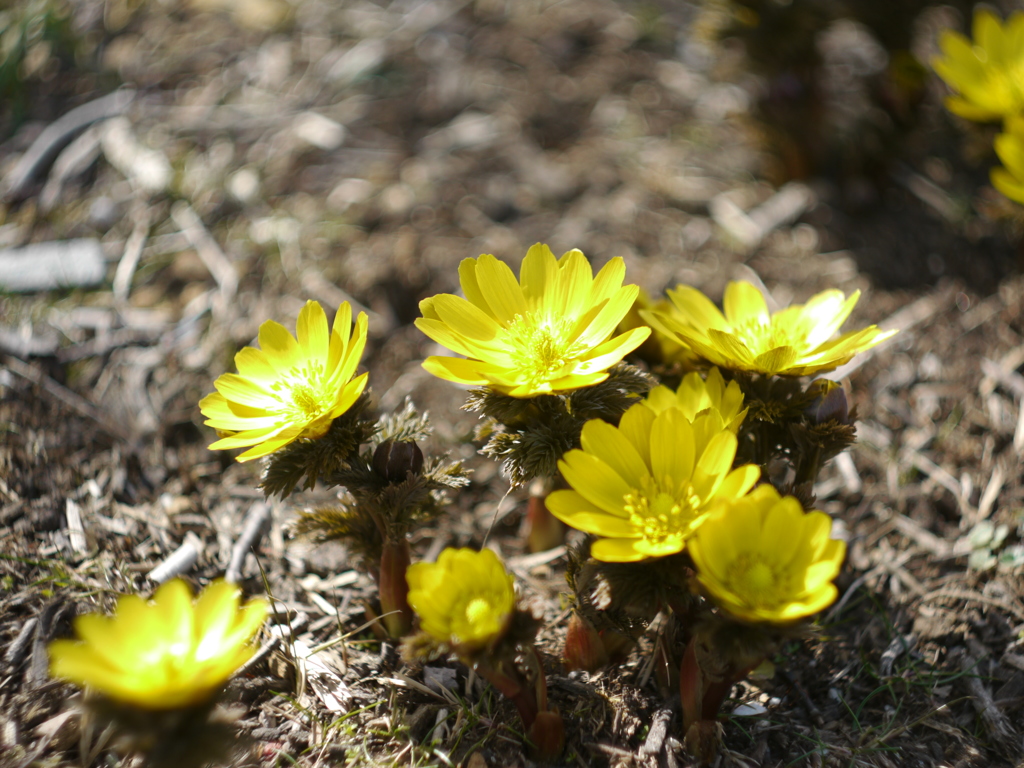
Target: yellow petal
614	448
574	281
744	304
595	481
672	447
312	332
537	274
278	345
503	294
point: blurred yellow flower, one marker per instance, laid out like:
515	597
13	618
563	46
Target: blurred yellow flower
466	599
289	388
796	341
1010	148
549	332
988	73
169	653
696	395
646	485
763	559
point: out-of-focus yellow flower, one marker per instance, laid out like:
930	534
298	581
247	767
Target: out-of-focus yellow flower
763	559
1010	148
796	341
646	485
696	396
466	599
988	73
288	388
659	347
169	653
549	332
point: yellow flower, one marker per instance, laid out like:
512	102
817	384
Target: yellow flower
647	484
696	395
1010	148
988	73
549	332
465	599
170	653
796	341
288	389
763	559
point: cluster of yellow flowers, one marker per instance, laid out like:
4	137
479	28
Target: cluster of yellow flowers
988	74
659	479
648	485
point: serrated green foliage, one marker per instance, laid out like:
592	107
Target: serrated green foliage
307	461
529	436
375	509
407	425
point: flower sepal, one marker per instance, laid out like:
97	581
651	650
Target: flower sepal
531	436
307	461
202	735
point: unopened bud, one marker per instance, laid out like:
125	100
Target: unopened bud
829	403
584	648
547	734
395	460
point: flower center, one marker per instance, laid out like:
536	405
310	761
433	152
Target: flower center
477	611
757	581
664	512
540	346
305	397
760	337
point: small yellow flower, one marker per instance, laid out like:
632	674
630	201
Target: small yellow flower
796	341
1010	148
696	395
289	388
551	331
988	73
646	485
466	599
170	653
763	559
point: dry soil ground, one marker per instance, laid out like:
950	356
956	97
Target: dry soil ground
275	152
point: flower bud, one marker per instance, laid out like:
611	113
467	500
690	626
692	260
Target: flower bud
829	403
394	460
584	648
547	735
544	531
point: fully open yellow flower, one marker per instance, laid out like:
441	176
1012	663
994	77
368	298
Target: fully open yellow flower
466	599
170	653
763	559
696	395
646	485
548	332
288	388
988	73
796	341
1010	148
